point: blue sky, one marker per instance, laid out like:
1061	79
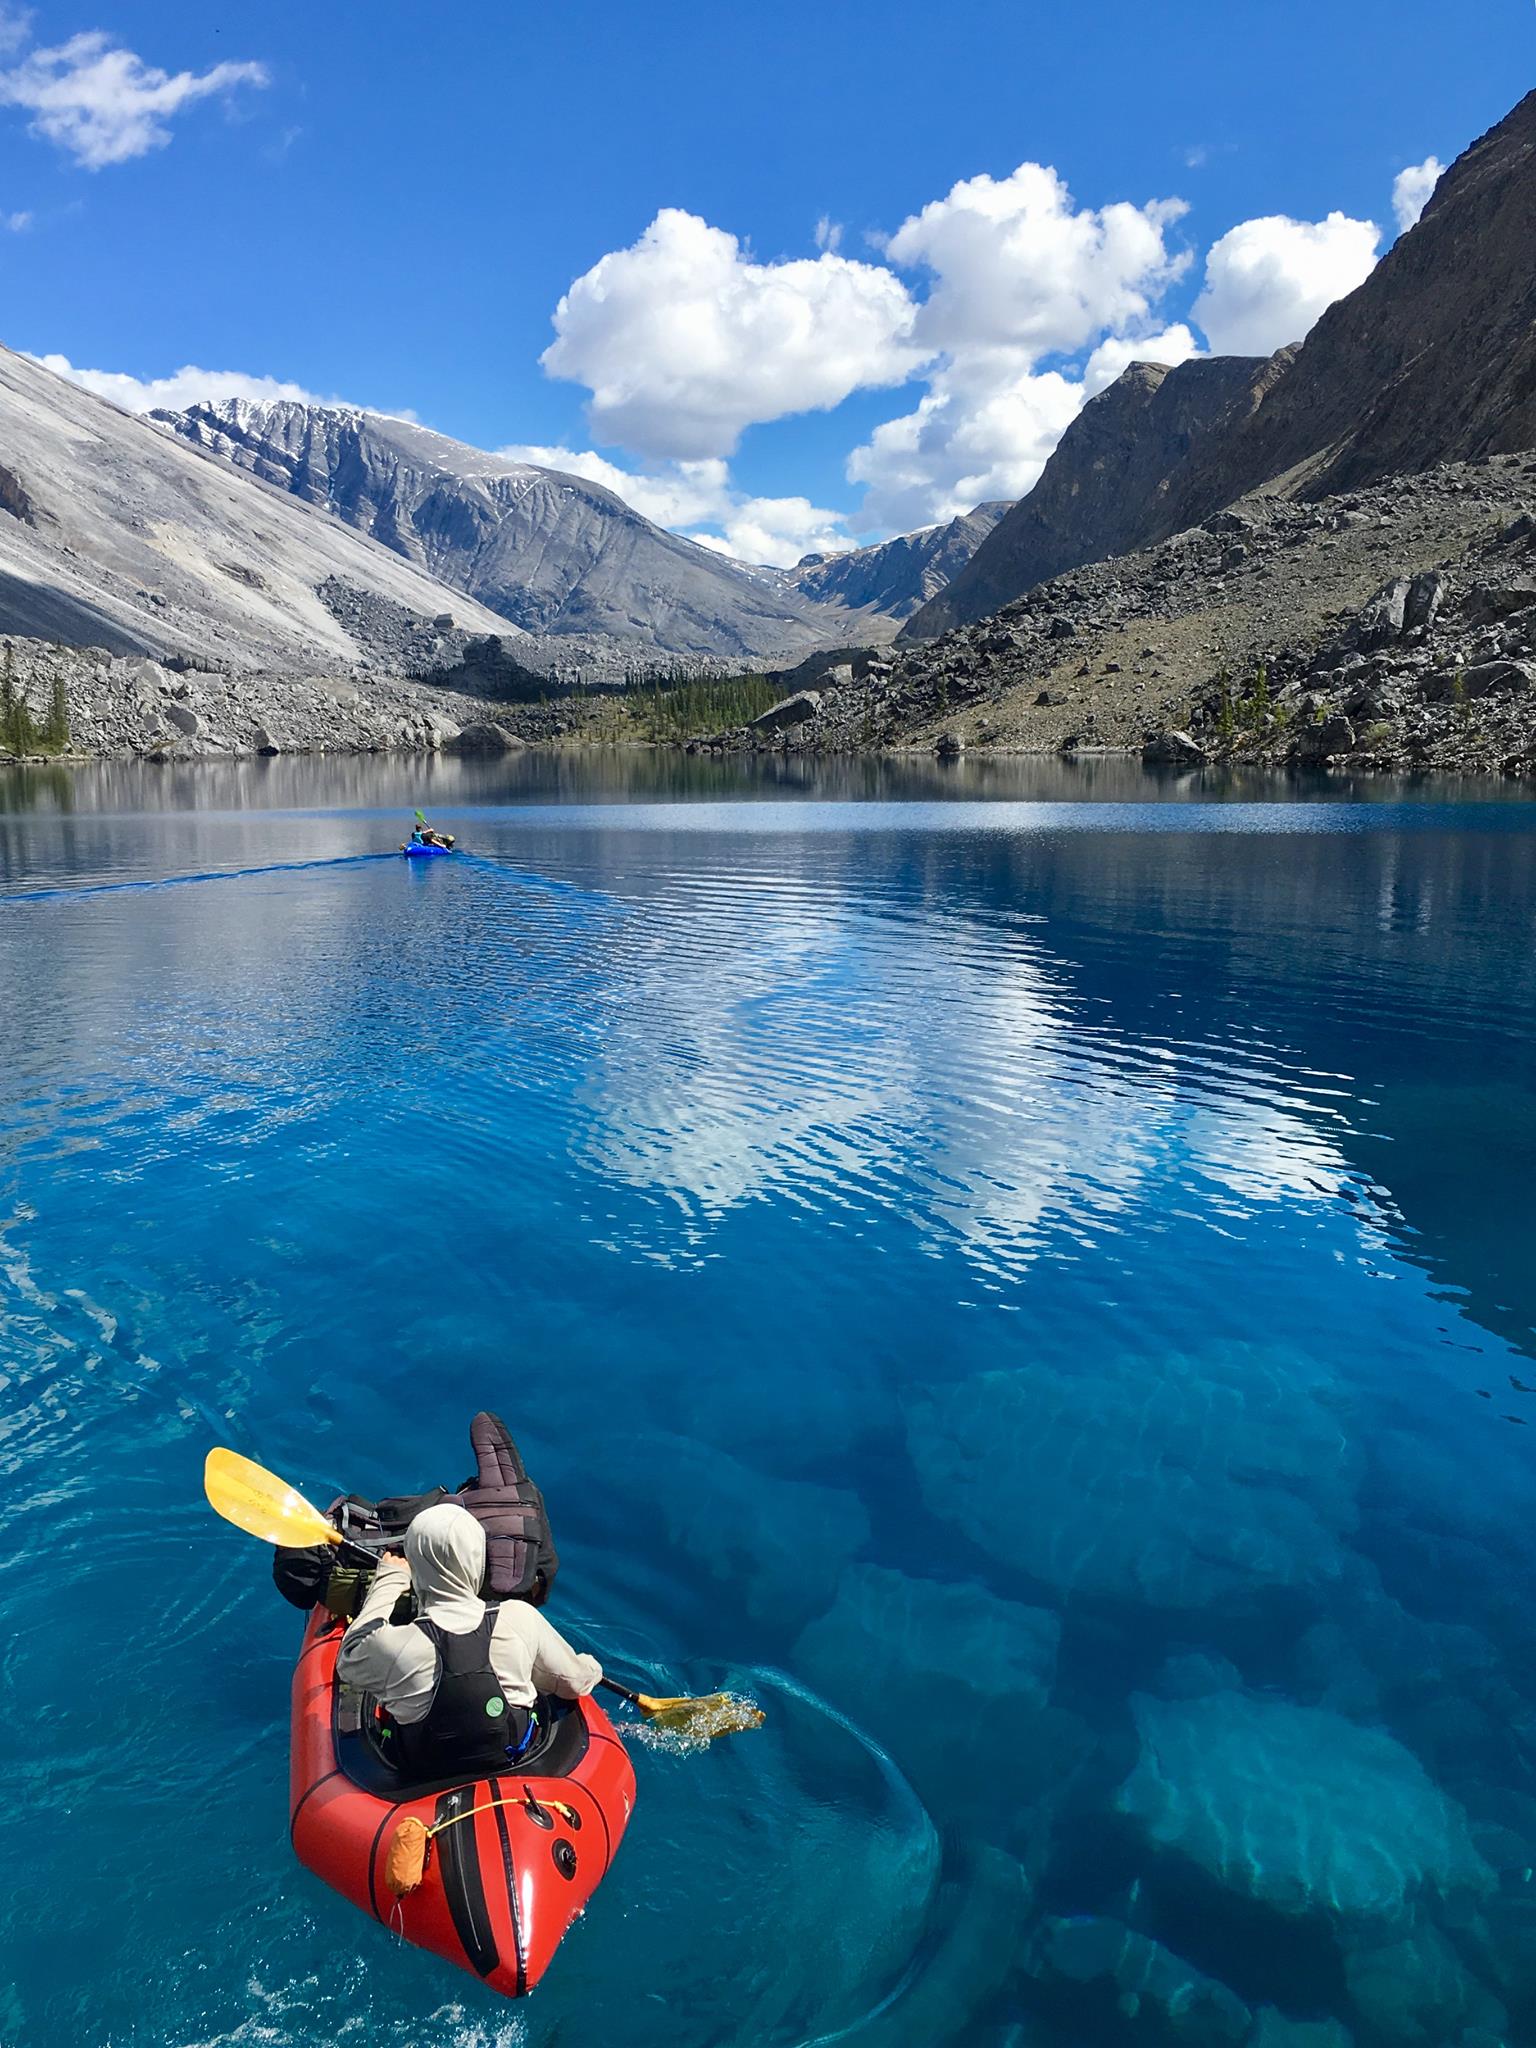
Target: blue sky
386	203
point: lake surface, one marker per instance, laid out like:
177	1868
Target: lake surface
1026	1269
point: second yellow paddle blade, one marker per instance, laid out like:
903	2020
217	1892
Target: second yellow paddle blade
262	1504
715	1713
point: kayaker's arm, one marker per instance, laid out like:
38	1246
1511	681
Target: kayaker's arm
557	1668
370	1646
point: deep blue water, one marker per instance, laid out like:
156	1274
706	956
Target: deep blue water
1029	1273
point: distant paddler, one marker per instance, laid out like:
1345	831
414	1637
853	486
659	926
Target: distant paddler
424	839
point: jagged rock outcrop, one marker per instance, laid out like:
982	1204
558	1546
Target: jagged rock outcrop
896	577
1106	487
123	539
1432	360
553	553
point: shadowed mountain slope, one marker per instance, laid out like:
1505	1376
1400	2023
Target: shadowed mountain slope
897	576
1431	360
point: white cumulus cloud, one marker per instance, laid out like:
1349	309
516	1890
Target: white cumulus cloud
684	340
1172	345
1267	280
181	388
105	105
1019	274
1411	189
1015	264
983	429
700	495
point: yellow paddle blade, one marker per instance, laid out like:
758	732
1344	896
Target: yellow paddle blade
715	1713
261	1504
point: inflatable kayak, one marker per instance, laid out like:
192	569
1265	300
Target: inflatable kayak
513	1859
413	852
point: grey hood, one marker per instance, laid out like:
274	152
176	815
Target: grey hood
445	1548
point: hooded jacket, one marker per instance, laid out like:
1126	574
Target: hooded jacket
444	1566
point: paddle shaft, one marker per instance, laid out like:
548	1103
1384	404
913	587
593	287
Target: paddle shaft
623	1691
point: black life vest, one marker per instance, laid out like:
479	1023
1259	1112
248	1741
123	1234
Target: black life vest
470	1728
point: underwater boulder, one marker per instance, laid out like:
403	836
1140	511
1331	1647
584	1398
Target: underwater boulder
934	1672
1273	2030
776	1545
978	1915
1416	1993
1169	1481
887	1632
1296	1808
1146	1978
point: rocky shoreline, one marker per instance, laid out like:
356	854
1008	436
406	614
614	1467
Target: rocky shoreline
1387	630
1390	629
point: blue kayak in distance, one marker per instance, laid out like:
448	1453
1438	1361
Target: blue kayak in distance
423	852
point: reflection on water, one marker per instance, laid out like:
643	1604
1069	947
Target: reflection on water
1036	1290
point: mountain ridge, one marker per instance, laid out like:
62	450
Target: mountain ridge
1431	360
553	553
896	577
114	534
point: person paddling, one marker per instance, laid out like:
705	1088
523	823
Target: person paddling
422	834
460	1683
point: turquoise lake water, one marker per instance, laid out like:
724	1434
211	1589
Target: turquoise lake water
1028	1271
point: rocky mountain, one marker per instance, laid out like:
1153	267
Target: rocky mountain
1431	360
896	577
553	553
117	536
1108	481
1392	627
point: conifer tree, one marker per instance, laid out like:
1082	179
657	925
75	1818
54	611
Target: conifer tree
56	732
16	733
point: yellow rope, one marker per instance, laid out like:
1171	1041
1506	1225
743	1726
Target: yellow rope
490	1805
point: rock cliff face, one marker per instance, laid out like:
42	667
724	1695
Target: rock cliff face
115	535
1108	484
896	577
553	553
1432	360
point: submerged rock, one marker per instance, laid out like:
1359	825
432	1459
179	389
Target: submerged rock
779	1545
1416	1993
1273	2030
1295	1807
980	1912
955	1683
1175	1481
1190	2006
887	1633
